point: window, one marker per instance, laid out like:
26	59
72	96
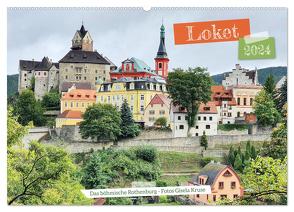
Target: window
132	108
162	112
83	105
181	127
197	127
225	114
65	104
44	73
204	118
245	101
207	126
238	114
233	185
71	104
85	78
214	198
210	118
151	119
142	108
229	114
186	118
238	101
142	97
65	76
159	65
196	134
223	196
225	105
151	112
199	118
197	195
221	185
77	104
251	101
235	196
179	118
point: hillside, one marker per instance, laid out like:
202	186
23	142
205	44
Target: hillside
12	84
277	72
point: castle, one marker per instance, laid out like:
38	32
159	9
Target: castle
83	67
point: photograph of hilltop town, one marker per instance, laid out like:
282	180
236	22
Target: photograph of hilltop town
119	103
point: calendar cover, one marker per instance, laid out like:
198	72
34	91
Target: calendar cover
166	107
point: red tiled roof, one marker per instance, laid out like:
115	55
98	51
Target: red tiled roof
160	99
209	107
80	94
72	114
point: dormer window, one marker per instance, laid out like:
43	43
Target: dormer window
227	174
207	108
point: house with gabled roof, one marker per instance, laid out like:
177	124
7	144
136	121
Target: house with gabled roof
223	181
158	107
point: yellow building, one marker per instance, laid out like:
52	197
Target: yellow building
69	118
138	93
77	99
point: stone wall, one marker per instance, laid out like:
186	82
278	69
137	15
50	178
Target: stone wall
163	141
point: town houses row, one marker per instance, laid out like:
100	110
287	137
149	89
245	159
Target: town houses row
85	77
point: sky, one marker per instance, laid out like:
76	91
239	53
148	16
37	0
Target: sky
121	33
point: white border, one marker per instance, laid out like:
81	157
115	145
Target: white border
146	4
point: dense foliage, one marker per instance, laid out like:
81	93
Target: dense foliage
238	159
266	179
129	128
265	109
102	122
51	100
189	88
116	168
281	96
28	109
270	86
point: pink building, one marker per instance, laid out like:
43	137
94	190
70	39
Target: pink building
223	180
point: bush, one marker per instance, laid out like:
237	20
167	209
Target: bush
146	153
162	122
229	127
161	183
206	160
163	199
119	201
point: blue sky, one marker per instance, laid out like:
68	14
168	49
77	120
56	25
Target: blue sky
125	33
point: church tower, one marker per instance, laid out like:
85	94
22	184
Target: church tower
82	40
161	59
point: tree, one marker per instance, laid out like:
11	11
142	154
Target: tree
15	131
129	128
281	96
238	164
118	168
161	121
43	175
101	122
28	109
203	141
269	85
266	178
51	100
266	112
188	89
277	147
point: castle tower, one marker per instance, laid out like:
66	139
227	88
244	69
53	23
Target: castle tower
161	59
82	40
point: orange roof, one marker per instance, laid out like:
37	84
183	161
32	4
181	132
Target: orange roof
79	94
71	114
209	107
160	99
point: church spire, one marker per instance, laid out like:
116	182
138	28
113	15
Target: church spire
161	53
